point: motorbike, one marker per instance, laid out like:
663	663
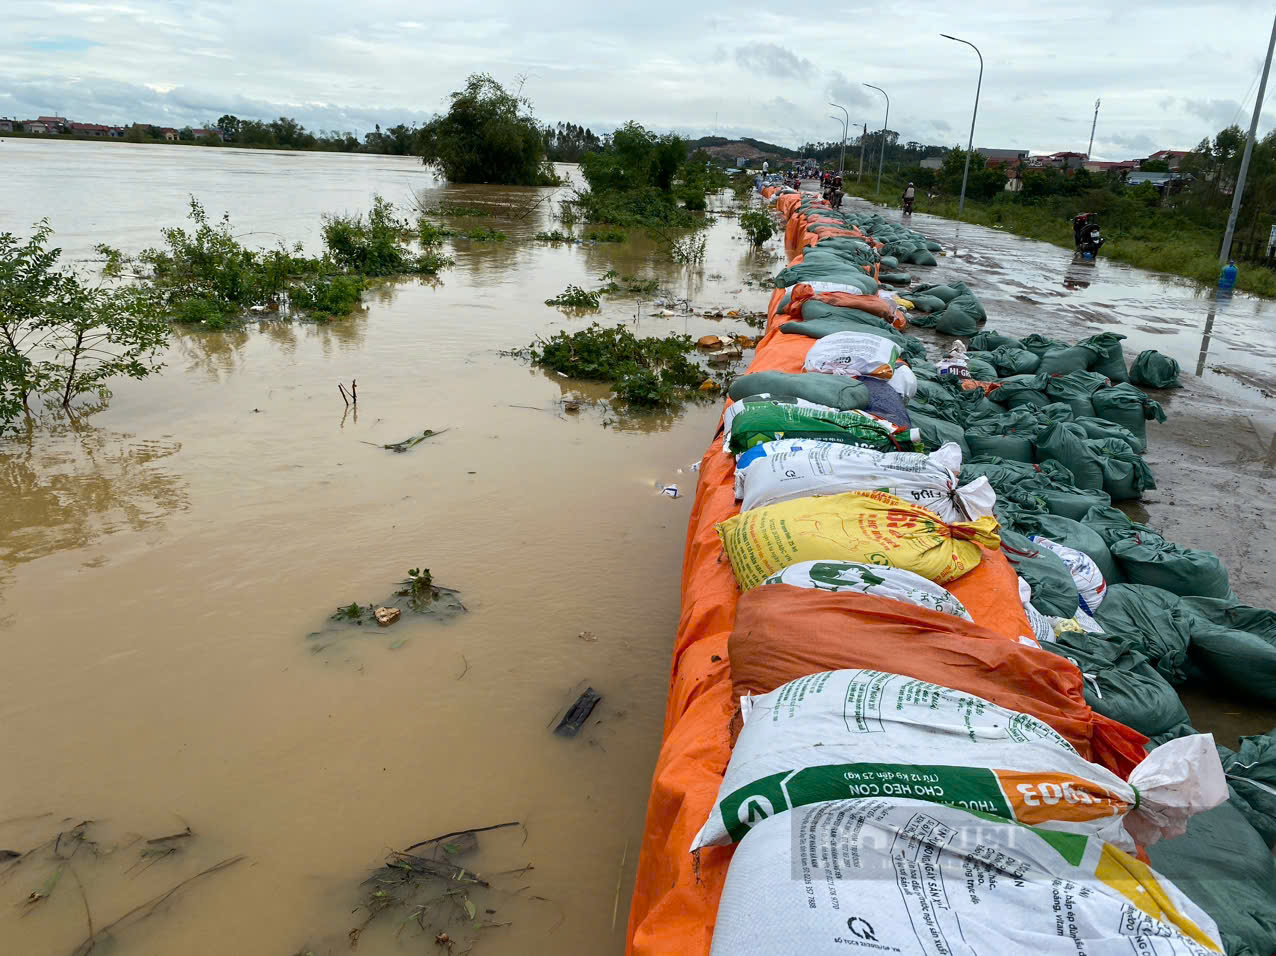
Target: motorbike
1085	230
908	207
833	196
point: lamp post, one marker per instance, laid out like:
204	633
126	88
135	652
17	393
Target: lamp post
970	144
846	122
885	123
863	138
1239	192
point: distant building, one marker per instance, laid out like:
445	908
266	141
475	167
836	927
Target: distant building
1173	157
6	126
37	126
1159	180
935	162
56	124
1002	155
169	134
115	132
1128	165
89	129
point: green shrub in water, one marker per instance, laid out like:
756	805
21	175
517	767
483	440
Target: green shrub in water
644	371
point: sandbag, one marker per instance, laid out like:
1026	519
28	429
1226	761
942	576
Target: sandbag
1066	443
873	579
852	353
1230	648
924	302
1127	406
1073	534
1223	867
1086	576
835	391
817	308
1251	773
1011	360
1009	436
1155	370
1152	621
1075	358
1150	559
1100	428
936	432
864	733
961	317
1076	389
1040	344
1111	361
989	341
868	526
1074	503
842	876
1121	683
1125	474
1053	590
1019	390
782	633
945	293
758	423
922	257
777	471
980	368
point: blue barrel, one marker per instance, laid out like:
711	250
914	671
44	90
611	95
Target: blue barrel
1227	278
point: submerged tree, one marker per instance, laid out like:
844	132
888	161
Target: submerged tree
60	339
488	135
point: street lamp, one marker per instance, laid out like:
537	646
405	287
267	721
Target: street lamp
846	122
961	203
885	123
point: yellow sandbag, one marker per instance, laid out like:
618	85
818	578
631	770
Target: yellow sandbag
906	303
866	526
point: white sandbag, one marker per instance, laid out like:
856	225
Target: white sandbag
1041	624
852	353
736	407
904	381
1091	587
790	468
868	733
875	579
878	876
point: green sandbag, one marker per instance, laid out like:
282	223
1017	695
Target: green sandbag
1053	590
1009	436
825	272
762	423
814	309
835	391
933	246
1075	535
818	328
988	341
1003	474
1039	344
936	431
945	293
1098	428
1149	559
1251	773
1010	360
1125	474
970	304
1073	503
1114	525
920	257
1126	405
1121	683
1061	361
1077	388
895	278
980	368
1112	362
1155	370
1054	412
1233	644
926	303
890	262
1221	865
1066	443
1017	390
1152	621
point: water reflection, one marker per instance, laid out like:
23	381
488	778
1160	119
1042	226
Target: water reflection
70	484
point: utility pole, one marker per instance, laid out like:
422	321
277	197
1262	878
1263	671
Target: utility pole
1092	126
1237	194
885	124
970	144
863	137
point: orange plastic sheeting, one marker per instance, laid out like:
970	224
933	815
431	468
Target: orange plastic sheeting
787	203
872	304
784	632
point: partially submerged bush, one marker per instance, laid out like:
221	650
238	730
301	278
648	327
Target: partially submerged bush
371	247
577	298
688	250
328	295
644	371
484	234
555	236
606	235
757	225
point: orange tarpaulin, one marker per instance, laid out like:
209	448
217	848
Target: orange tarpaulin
675	896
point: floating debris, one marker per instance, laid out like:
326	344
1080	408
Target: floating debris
408	443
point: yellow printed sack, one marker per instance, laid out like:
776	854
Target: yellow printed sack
867	526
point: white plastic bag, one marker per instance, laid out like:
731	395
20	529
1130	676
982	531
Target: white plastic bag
868	733
792	468
877	876
875	579
853	353
1085	573
904	381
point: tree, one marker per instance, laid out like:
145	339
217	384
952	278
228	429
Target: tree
61	339
1154	166
488	135
186	134
229	125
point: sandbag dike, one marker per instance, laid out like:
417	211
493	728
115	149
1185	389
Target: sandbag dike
1047	442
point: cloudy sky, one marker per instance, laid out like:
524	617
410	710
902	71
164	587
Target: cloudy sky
1168	73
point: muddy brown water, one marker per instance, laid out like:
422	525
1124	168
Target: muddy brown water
163	561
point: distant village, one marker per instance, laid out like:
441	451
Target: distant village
1014	161
61	126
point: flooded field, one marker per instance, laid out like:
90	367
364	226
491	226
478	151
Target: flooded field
164	563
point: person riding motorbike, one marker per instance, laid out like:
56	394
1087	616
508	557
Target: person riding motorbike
910	193
1085	232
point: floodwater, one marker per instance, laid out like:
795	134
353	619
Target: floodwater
163	561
